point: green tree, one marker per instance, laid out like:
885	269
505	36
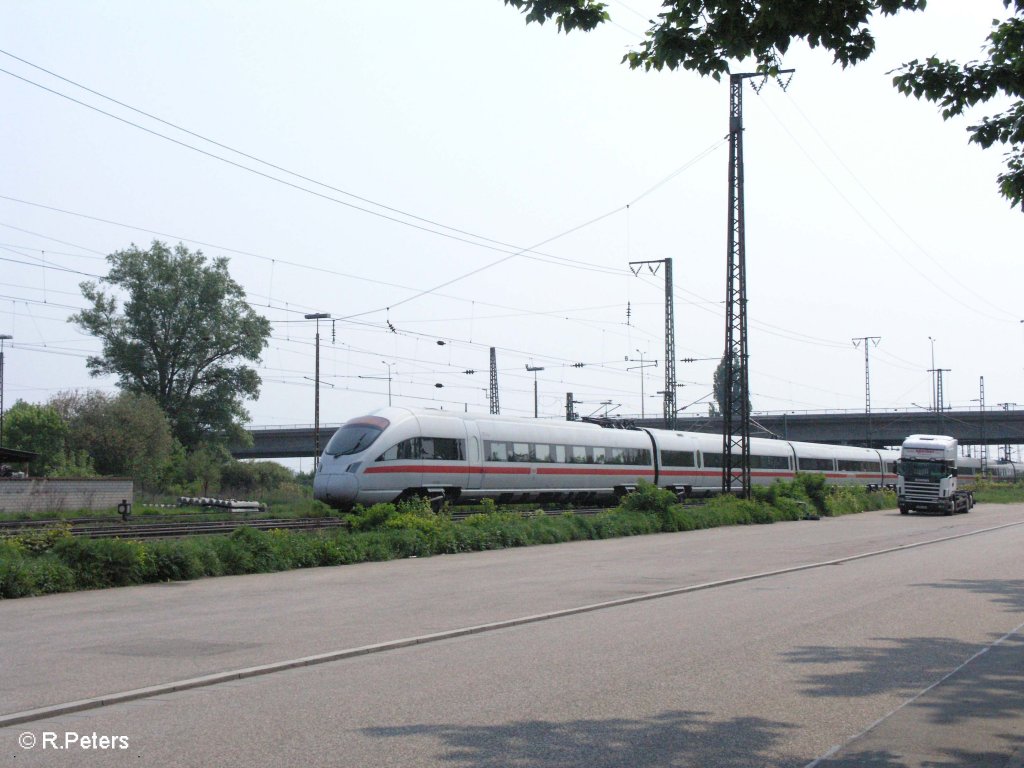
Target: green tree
197	472
720	385
182	337
127	434
706	35
256	477
40	429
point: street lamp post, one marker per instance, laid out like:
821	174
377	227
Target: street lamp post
3	337
534	369
318	316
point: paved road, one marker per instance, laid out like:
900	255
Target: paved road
777	671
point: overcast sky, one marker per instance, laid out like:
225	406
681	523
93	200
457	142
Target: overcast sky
438	140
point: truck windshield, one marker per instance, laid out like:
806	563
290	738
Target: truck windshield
913	469
356	436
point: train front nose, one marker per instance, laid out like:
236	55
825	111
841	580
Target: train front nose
336	489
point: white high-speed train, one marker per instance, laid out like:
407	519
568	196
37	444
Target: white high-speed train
398	452
969	468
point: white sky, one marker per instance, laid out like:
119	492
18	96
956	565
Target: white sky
867	215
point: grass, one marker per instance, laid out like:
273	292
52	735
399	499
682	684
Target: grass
988	492
43	562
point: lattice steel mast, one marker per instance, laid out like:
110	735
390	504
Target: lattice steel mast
736	415
669	408
493	393
868	340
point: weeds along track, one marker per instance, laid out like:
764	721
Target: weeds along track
93	529
181	526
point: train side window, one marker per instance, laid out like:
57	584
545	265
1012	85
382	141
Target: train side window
768	462
616	456
447	449
520	452
496	451
815	465
543	452
848	465
712	459
579	454
403	451
560	454
597	455
677	459
409	449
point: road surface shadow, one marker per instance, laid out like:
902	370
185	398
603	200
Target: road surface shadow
1008	592
954	758
964	702
672	738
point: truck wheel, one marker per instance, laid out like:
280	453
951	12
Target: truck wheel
904	511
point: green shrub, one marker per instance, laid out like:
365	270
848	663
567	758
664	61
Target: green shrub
48	575
183	560
845	500
247	550
814	489
99	563
373	518
15	578
42	539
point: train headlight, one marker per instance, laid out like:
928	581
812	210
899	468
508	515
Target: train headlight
354	467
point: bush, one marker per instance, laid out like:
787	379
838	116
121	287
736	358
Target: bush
814	489
99	563
42	539
183	560
370	519
246	550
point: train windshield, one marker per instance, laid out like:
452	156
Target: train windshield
356	436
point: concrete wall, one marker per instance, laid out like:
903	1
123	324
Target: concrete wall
62	495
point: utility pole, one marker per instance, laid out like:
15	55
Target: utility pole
3	337
648	364
736	416
669	402
876	340
570	409
940	407
492	395
932	371
1006	447
984	445
318	316
534	369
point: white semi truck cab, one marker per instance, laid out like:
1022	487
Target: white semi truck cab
927	476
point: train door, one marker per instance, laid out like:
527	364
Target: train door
443	448
474	456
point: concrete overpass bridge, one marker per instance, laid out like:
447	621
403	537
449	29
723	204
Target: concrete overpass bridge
878	429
